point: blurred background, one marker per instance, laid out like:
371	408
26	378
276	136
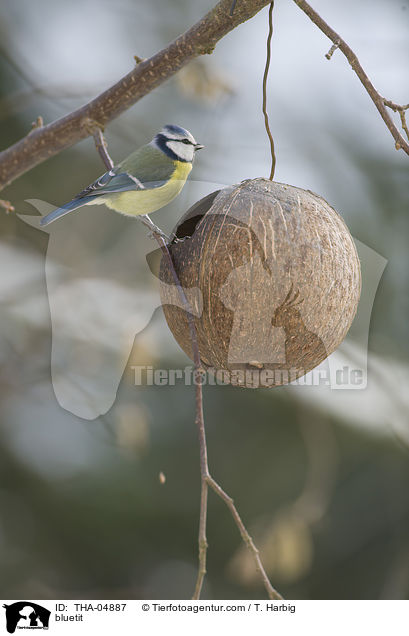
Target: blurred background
320	477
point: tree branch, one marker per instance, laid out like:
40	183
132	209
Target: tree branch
45	142
377	99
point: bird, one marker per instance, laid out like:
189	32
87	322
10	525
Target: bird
144	182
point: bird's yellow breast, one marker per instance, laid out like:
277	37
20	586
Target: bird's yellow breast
146	201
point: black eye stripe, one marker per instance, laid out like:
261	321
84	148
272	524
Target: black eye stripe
182	141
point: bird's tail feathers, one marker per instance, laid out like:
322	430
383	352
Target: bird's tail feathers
64	209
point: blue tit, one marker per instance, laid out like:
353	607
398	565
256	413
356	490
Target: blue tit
145	181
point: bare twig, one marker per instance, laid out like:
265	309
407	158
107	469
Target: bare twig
100	144
101	147
248	541
402	116
38	123
393	106
377	99
201	38
206	479
401	109
265	77
332	50
204	474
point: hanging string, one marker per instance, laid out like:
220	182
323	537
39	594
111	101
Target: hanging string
268	58
233	6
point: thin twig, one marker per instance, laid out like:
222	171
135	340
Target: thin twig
248	541
101	147
402	116
95	129
204	474
332	50
401	109
265	77
377	99
38	123
396	107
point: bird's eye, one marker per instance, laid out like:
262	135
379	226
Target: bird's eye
186	141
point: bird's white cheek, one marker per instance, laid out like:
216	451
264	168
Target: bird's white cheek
184	151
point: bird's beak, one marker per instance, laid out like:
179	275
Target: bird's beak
198	147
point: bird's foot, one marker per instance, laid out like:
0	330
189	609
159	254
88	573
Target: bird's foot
176	239
154	229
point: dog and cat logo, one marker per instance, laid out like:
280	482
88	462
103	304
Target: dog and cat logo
26	615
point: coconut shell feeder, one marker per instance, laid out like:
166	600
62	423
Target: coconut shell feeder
277	277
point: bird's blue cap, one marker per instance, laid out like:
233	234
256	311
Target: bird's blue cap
176	130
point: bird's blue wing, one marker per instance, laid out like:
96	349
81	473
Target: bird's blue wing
146	168
112	181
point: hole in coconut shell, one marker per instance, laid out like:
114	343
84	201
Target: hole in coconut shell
196	213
